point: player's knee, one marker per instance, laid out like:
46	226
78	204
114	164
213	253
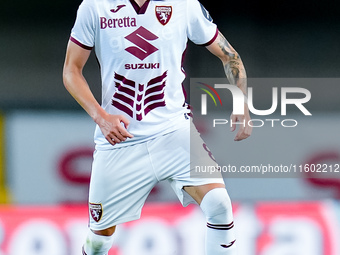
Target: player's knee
97	244
216	206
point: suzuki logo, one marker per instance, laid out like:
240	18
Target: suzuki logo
140	38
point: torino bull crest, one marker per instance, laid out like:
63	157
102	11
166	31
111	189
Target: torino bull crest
96	211
163	14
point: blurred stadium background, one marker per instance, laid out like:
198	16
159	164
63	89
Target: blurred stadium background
46	139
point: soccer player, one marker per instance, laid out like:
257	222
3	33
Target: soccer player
143	125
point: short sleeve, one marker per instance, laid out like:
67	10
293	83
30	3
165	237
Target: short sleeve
201	29
84	29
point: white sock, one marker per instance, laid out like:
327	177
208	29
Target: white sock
220	236
97	244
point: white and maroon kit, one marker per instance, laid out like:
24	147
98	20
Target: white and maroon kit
140	53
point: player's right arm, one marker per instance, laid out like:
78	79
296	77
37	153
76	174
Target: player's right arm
77	86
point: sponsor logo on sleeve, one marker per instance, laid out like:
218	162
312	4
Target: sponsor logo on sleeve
206	13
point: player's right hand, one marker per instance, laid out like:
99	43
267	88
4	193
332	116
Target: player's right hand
114	128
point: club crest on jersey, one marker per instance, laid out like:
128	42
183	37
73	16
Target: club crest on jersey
163	14
96	211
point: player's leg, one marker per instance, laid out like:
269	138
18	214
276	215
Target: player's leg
98	242
216	206
175	160
120	183
208	190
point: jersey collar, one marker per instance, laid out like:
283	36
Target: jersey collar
142	9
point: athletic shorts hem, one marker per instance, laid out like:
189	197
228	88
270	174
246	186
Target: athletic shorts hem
115	222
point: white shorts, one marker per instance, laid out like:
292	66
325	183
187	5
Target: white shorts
122	178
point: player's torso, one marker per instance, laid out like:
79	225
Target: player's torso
140	56
143	48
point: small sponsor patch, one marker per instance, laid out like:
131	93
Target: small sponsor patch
163	14
96	211
206	13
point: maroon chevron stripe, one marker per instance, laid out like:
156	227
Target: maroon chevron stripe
124	80
138	107
139	117
123	98
158	79
153	98
155	89
144	95
123	108
153	106
139	98
125	90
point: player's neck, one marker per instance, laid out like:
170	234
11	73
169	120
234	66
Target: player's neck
140	2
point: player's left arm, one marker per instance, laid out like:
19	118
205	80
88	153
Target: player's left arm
236	74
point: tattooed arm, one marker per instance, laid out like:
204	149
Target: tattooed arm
236	74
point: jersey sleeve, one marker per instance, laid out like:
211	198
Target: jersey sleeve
84	29
201	29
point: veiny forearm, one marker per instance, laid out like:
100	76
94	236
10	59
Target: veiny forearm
110	125
77	86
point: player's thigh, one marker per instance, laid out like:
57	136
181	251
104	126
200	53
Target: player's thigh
120	183
187	155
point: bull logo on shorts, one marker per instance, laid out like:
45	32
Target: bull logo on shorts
163	14
96	211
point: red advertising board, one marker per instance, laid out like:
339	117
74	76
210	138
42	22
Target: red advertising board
262	229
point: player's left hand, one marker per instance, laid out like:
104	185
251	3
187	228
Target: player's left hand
243	121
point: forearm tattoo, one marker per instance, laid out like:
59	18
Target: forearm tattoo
233	68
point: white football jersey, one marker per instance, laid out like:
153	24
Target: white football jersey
140	52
